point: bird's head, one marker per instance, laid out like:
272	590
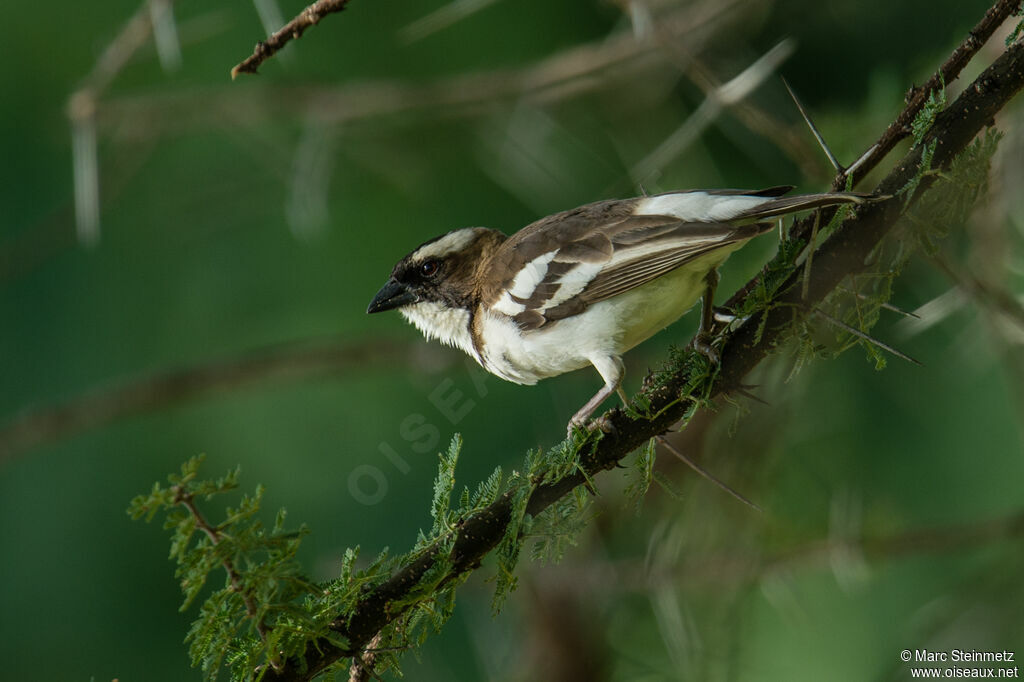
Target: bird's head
443	271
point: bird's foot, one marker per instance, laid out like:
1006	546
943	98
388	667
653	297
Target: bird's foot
604	423
702	343
585	426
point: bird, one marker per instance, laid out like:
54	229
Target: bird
581	287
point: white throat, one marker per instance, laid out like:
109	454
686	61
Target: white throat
449	325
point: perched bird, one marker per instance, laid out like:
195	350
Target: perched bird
583	286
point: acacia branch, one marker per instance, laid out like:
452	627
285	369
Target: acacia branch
916	97
899	129
187	500
843	254
265	49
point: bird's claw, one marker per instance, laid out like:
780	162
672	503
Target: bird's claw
605	424
602	423
702	344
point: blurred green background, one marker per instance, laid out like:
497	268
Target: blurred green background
244	227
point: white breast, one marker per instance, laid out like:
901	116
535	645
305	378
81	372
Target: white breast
448	325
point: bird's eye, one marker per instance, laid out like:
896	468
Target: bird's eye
429	268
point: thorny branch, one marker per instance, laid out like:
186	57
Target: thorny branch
294	29
843	254
899	129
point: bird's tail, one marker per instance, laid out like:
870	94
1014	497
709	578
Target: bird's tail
802	202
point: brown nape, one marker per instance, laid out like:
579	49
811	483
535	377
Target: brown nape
459	283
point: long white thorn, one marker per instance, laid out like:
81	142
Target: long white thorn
693	465
867	337
814	129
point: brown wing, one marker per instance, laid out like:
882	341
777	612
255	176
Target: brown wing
633	266
560	265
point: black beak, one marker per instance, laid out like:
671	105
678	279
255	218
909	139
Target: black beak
392	295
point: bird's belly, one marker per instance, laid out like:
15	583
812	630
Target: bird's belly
610	327
646	310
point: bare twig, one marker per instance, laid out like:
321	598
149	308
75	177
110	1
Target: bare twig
762	123
726	95
133	36
917	96
570	73
900	127
294	29
100	406
82	105
442	17
269	14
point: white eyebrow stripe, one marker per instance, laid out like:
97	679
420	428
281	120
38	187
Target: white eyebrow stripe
699	206
452	242
531	275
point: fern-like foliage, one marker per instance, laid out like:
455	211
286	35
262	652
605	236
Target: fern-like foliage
266	612
922	229
641	474
557	528
246	622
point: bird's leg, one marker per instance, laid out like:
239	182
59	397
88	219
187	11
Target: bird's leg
702	342
611	369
